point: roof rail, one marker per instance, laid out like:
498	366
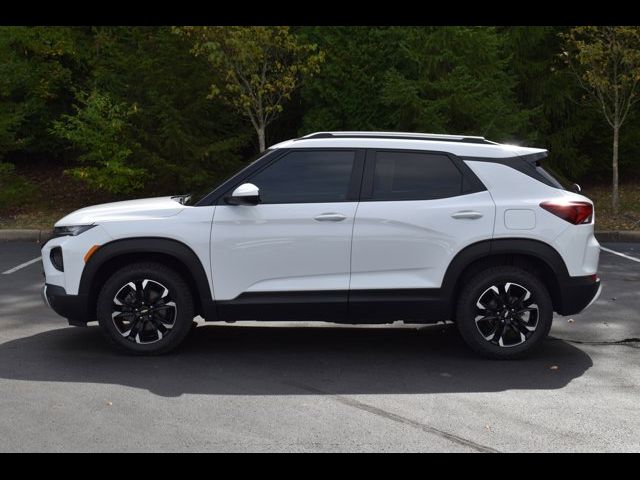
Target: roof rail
399	136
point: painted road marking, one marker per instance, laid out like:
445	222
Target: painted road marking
22	265
620	254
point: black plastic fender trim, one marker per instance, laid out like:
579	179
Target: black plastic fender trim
174	248
507	246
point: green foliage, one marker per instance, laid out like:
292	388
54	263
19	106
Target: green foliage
454	79
37	74
183	141
345	95
607	63
13	188
446	79
162	110
256	68
98	132
547	91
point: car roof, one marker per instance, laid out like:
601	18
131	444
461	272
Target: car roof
461	145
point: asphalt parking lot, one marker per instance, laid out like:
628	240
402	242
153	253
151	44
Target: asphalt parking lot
319	387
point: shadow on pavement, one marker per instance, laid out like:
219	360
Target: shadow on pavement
233	360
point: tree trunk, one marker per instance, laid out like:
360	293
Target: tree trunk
614	191
261	142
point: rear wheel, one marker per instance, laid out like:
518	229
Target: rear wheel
145	308
504	312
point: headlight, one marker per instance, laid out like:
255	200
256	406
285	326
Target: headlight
71	230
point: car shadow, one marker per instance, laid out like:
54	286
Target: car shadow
259	360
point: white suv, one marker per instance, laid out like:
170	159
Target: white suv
351	227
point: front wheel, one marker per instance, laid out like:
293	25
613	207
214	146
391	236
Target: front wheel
145	308
504	312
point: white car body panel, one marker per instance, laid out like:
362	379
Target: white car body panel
190	226
511	189
74	250
267	248
142	209
409	244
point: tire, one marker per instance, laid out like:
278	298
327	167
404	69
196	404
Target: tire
504	313
145	309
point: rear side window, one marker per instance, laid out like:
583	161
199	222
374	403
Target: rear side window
415	176
306	177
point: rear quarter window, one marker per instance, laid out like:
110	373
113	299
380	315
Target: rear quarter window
554	179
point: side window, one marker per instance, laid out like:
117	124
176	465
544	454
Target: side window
310	176
415	176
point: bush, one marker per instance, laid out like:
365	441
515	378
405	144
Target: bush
14	189
98	131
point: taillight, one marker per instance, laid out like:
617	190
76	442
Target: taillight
573	212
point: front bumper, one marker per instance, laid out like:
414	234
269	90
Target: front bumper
73	307
578	293
74	248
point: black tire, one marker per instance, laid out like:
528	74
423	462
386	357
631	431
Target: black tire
497	318
147	321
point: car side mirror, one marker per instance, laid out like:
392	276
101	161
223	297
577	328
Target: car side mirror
245	194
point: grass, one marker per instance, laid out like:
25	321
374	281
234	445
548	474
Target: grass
56	194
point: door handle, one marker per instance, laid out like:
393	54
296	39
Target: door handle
466	215
330	217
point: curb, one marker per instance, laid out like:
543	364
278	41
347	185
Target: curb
7	235
618	236
11	235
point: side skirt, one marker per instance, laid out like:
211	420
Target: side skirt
424	305
360	306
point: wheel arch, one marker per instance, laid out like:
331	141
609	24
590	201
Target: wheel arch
534	256
173	253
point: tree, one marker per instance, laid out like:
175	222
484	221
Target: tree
256	68
429	79
136	121
98	131
346	94
454	80
40	68
183	143
606	62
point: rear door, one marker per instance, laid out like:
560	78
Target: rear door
418	209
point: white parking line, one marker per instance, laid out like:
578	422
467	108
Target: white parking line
620	254
22	265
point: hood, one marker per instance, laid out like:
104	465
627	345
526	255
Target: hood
142	209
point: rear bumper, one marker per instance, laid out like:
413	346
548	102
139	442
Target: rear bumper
72	307
578	293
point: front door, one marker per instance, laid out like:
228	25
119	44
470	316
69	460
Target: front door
289	256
